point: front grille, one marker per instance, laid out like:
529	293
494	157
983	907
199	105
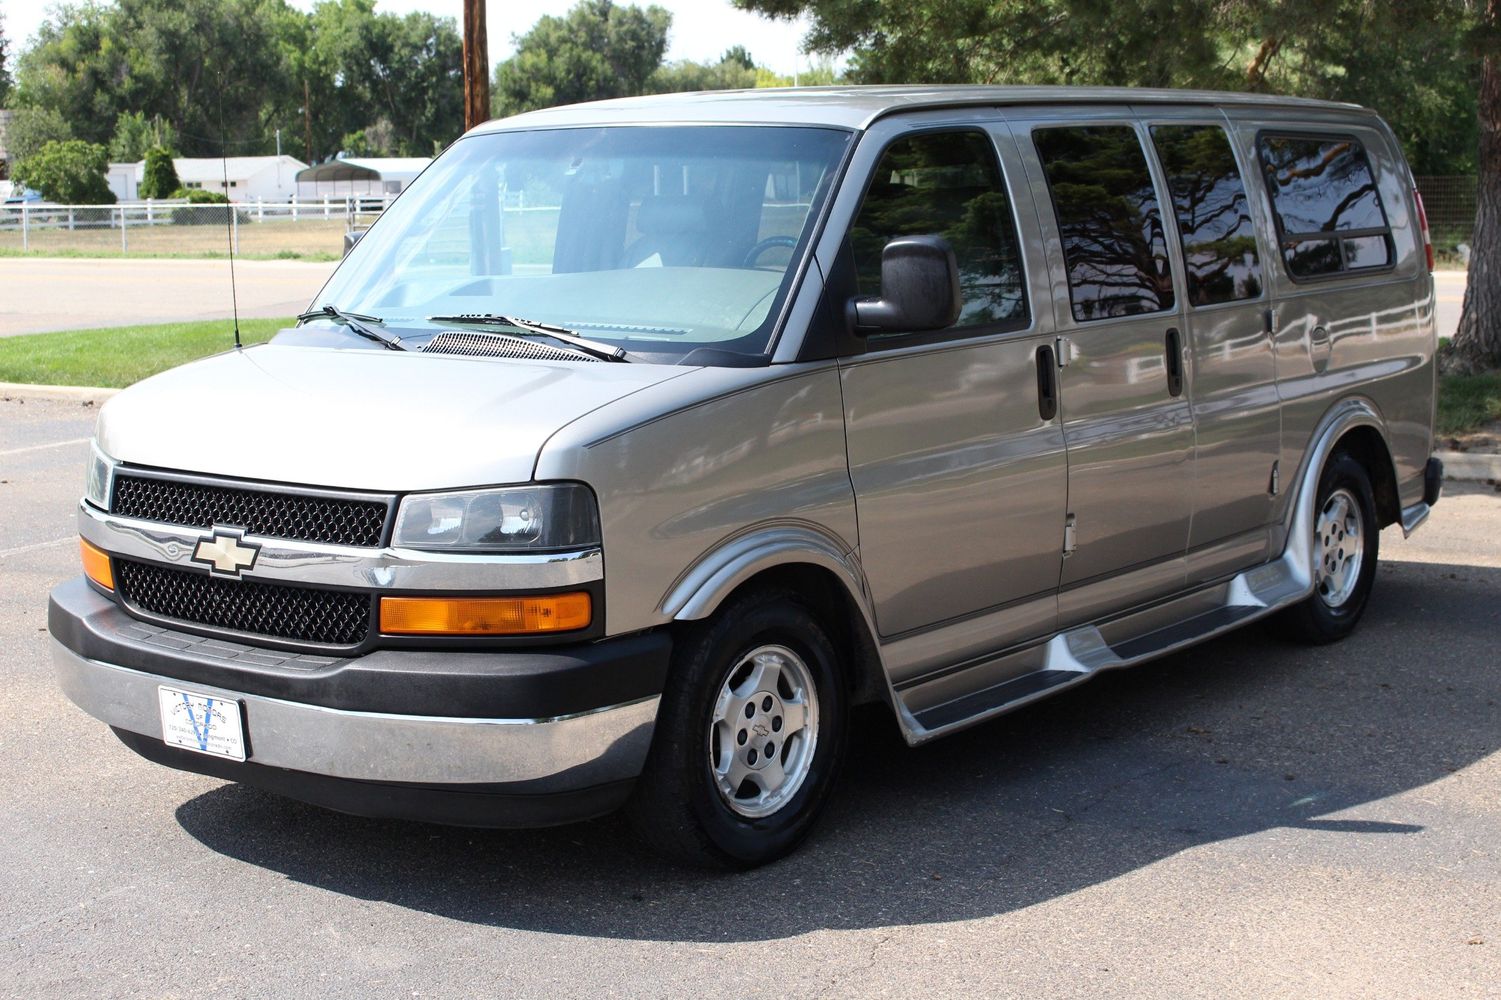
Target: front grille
298	614
300	516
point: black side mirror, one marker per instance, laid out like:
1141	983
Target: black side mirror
919	288
351	238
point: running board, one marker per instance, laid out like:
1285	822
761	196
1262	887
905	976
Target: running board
956	698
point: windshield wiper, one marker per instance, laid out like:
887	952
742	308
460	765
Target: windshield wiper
357	324
602	351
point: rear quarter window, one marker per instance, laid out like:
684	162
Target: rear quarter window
1330	219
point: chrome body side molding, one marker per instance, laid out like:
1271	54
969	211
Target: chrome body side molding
946	701
322	564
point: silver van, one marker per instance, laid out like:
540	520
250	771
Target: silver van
736	410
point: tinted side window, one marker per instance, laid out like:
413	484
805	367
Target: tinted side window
1329	214
1214	217
1113	242
946	184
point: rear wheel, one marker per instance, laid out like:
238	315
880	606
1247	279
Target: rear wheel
1346	541
749	736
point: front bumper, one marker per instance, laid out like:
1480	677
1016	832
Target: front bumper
334	731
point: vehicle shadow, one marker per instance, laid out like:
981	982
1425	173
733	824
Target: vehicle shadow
1242	735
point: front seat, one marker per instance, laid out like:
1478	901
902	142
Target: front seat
674	233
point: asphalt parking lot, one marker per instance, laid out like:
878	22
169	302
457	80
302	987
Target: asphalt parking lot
1246	819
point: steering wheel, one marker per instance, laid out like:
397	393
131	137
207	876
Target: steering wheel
767	244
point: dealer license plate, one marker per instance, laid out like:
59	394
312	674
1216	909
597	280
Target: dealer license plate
202	723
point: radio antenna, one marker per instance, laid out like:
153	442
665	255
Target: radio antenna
229	218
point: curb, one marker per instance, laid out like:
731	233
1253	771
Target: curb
68	393
1470	466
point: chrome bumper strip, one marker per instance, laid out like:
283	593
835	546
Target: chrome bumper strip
319	564
557	754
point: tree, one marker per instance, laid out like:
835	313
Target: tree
5	80
135	134
1406	59
377	139
188	61
32	128
69	172
1477	342
246	68
159	178
595	51
729	73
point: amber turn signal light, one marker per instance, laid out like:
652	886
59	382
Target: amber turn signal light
96	564
485	615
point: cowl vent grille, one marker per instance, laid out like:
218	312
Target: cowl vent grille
498	345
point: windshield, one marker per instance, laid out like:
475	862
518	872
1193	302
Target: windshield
661	240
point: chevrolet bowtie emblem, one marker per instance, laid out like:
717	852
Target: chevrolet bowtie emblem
226	553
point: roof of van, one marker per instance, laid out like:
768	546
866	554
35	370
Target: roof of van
858	107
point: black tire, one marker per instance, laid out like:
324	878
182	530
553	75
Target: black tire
1315	620
677	809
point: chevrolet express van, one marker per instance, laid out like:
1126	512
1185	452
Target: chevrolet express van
638	441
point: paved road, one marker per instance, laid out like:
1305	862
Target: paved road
1247	819
1449	287
42	294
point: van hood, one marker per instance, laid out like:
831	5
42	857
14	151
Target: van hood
357	419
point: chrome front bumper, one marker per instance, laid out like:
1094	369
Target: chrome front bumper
544	755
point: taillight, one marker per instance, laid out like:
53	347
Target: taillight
1423	224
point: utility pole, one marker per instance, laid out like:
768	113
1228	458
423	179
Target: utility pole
307	122
476	65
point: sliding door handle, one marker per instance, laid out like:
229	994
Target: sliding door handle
1173	350
1047	383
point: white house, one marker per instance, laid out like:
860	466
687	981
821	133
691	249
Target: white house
251	178
124	179
359	176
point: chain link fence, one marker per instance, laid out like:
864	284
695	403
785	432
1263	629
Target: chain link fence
290	230
1450	203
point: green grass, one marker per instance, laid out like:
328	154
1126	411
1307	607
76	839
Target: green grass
1466	402
115	357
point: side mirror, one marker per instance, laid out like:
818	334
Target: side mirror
919	288
351	238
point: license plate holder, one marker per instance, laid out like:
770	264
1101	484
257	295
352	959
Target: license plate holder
202	723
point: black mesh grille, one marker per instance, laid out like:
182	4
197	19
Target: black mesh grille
326	617
337	520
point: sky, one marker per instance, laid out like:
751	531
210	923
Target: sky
701	29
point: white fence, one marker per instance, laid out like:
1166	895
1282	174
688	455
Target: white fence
75	226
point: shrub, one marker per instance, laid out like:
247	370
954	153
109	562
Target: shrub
160	175
70	172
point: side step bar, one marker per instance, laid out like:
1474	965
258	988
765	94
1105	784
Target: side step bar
1073	657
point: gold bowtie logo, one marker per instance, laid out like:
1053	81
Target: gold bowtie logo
226	554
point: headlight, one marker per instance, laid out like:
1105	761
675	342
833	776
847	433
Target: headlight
515	519
101	474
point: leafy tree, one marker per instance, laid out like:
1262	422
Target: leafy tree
70	172
378	139
188	61
5	80
685	75
406	70
135	135
1408	59
597	50
738	54
32	128
159	178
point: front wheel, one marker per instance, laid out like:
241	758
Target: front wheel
749	736
1345	545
